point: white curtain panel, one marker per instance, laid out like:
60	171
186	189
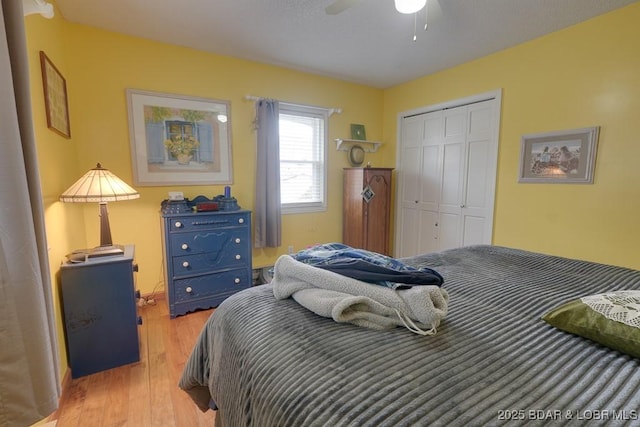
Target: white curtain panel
29	376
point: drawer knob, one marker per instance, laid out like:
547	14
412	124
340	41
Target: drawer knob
238	256
237	240
189	289
185	246
237	280
241	220
185	264
178	224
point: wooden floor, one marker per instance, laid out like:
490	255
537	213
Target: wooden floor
143	393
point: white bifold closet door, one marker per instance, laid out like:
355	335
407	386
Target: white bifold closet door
447	171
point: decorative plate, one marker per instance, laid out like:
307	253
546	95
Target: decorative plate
356	155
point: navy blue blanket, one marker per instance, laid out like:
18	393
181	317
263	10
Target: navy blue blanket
367	266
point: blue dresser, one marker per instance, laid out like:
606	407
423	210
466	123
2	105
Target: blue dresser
99	309
207	257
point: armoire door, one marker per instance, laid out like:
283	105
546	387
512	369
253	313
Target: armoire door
378	210
446	171
367	208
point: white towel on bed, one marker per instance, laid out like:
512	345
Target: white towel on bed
347	300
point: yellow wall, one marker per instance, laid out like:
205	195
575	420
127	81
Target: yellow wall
586	75
57	156
99	66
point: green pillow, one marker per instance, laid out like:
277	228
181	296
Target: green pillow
611	319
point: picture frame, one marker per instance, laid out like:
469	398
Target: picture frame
55	97
178	139
562	157
358	132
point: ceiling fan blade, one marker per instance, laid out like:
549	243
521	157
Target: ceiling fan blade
339	6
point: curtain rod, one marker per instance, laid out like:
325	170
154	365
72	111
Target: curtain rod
331	111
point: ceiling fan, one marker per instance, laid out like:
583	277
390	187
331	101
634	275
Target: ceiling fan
402	6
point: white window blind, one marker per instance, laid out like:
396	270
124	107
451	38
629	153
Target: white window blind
302	158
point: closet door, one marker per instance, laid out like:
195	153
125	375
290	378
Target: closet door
480	175
447	169
419	188
451	179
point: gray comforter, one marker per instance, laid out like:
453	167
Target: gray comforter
267	362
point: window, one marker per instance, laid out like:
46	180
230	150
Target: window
303	145
183	135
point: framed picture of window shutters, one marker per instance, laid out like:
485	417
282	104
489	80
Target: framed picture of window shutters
565	157
179	140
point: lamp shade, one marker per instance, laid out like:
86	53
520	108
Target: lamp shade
99	185
409	6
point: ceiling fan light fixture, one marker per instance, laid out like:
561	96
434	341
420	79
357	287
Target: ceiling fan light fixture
409	6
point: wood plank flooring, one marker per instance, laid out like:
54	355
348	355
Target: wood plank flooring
143	393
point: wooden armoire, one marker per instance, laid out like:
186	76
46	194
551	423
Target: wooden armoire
367	208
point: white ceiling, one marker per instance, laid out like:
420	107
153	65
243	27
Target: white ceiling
370	43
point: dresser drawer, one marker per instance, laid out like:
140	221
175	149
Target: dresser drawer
206	222
213	241
193	288
200	263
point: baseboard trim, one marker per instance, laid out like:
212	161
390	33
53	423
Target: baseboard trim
154	295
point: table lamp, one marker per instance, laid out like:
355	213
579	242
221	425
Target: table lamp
99	185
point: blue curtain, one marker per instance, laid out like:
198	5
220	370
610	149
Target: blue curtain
29	377
267	215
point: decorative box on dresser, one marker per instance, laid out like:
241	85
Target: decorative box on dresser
207	257
98	299
367	208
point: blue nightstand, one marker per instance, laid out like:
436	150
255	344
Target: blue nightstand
99	310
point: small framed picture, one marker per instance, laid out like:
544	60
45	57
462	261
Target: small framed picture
368	194
55	97
357	132
559	157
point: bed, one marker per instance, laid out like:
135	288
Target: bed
263	362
